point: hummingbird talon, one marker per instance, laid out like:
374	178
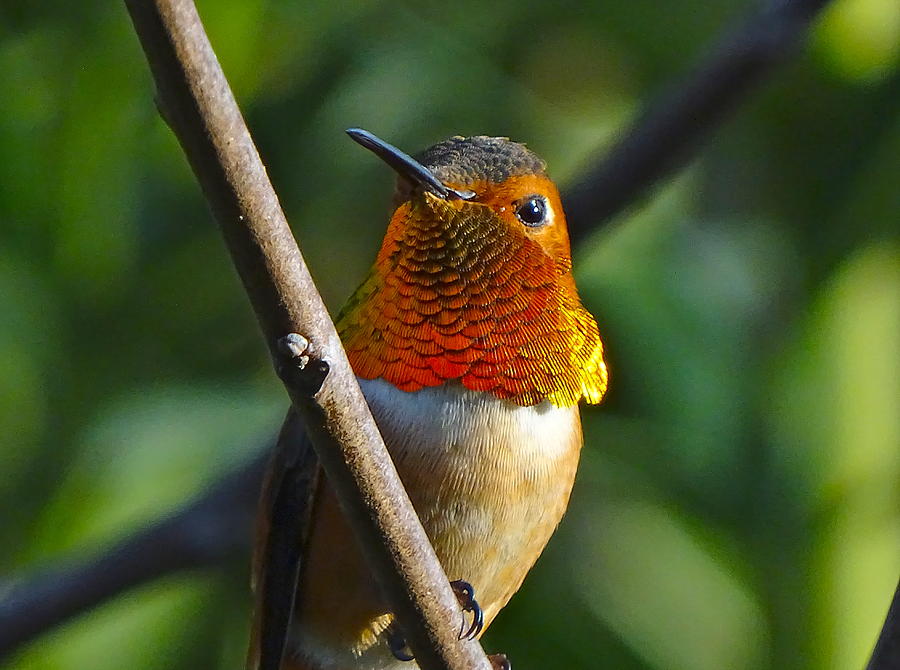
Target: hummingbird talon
294	366
499	662
477	623
398	645
465	594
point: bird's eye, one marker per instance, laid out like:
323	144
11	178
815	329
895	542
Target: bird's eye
532	211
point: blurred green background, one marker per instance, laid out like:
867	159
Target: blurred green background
738	504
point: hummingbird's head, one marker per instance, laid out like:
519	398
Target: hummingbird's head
471	174
473	282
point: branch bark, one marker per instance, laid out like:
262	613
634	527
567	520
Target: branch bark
197	103
668	135
673	129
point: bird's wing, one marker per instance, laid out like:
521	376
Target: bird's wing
283	523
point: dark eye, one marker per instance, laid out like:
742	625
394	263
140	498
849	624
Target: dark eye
533	211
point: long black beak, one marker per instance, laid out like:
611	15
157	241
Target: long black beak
407	166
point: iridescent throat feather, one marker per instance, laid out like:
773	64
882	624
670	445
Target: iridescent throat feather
458	294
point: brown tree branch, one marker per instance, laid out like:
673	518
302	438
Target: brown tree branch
196	101
216	526
674	129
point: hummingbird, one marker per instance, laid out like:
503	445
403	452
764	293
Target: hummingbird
473	351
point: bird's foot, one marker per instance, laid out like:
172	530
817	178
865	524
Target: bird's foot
465	594
297	367
499	662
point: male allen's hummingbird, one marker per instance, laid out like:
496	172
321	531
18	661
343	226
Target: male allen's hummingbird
473	350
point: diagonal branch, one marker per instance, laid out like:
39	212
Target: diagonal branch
197	102
673	129
667	136
207	531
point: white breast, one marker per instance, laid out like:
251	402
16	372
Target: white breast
444	418
489	479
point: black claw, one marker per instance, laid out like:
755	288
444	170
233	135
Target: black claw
465	594
397	645
477	623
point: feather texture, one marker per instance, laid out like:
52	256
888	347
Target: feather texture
457	294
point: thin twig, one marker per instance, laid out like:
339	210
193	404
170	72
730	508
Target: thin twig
198	105
674	128
886	655
657	144
207	531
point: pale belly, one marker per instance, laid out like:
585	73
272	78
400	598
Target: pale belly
490	481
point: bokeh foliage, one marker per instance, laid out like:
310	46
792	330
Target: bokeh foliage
738	501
